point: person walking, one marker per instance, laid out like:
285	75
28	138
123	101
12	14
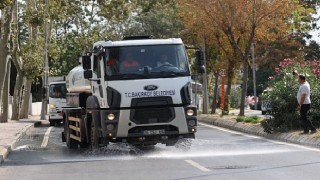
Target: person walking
303	98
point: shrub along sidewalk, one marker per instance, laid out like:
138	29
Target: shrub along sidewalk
230	122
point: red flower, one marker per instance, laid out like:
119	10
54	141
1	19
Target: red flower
276	70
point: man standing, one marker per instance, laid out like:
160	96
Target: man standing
304	101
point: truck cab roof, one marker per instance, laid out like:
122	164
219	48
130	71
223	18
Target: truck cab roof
58	82
137	42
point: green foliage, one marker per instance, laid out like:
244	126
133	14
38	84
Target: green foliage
284	85
32	55
35	17
248	119
235	97
312	51
4	3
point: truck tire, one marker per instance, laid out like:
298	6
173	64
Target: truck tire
52	122
84	143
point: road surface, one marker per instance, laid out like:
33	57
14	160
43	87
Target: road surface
216	153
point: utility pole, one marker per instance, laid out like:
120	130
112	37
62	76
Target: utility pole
254	77
205	82
46	72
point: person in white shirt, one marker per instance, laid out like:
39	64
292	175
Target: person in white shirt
303	98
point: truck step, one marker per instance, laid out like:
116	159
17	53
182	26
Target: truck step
74	119
75	137
74	128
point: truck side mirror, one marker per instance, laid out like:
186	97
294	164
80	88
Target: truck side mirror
87	74
86	62
200	61
201	69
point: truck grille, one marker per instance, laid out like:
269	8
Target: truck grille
152	110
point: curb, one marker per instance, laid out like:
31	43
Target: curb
4	152
258	131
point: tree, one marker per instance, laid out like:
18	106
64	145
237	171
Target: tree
312	51
6	18
242	21
158	18
17	61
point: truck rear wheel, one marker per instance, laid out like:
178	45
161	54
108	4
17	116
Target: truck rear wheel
84	142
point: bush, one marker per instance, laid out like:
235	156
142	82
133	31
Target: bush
235	97
284	85
248	119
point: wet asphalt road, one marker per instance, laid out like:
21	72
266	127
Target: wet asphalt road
215	154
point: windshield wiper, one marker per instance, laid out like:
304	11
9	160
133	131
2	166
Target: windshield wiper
170	73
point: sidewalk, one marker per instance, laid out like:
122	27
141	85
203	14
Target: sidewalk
12	131
229	122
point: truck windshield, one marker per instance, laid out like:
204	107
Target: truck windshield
149	61
57	90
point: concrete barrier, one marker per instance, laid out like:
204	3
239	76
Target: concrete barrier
35	109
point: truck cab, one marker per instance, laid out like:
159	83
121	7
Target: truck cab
57	100
140	94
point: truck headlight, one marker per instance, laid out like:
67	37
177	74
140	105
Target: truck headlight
111	116
52	106
190	112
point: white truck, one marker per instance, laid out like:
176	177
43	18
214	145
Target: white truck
57	99
111	99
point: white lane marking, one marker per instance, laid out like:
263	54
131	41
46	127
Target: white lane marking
46	138
258	137
197	165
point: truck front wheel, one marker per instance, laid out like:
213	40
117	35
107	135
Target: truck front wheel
52	122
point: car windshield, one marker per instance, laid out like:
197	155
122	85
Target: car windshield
57	90
156	61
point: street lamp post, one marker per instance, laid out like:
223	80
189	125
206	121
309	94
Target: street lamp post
46	72
254	78
205	81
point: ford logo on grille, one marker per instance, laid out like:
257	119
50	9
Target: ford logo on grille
150	87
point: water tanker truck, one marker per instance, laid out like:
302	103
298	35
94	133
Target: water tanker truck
137	90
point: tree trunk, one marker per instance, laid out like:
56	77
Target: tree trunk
16	100
24	112
229	84
5	96
6	18
244	87
215	93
